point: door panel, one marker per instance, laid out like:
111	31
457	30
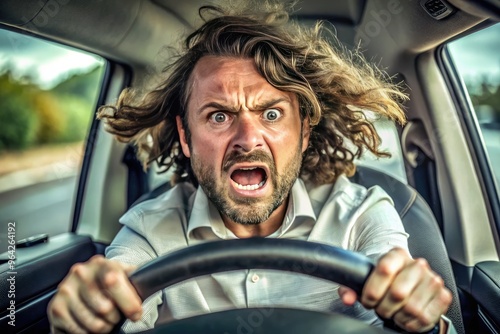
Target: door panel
485	289
28	283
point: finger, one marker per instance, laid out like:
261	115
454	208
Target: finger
60	318
382	276
117	286
430	300
100	305
86	319
402	288
347	295
417	302
129	268
418	328
88	294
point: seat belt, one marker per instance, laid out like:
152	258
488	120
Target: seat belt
420	157
137	181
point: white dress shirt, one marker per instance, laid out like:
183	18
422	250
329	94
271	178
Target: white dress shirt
343	214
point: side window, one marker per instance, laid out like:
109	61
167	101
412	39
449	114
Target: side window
48	96
477	60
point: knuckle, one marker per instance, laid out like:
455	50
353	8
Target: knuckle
110	279
422	263
397	294
103	308
113	317
446	297
383	312
412	326
426	319
386	268
370	302
437	282
411	310
55	309
64	290
78	270
370	297
56	312
97	259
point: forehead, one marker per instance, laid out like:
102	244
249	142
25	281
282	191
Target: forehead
223	70
231	80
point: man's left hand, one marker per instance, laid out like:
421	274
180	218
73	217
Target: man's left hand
404	290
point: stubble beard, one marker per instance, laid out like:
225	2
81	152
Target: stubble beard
248	211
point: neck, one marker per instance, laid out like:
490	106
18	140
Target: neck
263	229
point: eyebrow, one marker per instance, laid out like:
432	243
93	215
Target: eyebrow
262	106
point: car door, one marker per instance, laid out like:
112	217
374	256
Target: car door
48	98
459	134
472	64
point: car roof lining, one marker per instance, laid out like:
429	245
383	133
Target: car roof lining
122	30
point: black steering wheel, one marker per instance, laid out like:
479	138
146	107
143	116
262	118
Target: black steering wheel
319	260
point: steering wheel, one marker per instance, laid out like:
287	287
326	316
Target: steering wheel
319	260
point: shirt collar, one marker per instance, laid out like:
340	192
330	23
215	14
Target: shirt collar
204	215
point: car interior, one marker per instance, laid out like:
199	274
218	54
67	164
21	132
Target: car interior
441	175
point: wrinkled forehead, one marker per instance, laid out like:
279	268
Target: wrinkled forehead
208	66
231	80
212	72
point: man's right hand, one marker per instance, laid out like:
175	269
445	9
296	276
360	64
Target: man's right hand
90	297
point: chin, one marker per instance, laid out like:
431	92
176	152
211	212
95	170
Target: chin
250	213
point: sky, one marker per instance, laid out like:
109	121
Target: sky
478	54
48	63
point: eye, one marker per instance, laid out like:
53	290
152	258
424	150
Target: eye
218	117
272	114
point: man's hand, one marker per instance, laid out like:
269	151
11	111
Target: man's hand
404	290
91	295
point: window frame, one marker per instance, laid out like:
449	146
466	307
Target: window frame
89	147
470	127
92	132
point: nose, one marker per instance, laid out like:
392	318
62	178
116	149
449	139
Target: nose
248	134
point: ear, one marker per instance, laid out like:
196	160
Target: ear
306	133
182	137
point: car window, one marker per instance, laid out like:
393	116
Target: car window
477	60
48	96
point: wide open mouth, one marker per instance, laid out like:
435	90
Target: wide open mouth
251	178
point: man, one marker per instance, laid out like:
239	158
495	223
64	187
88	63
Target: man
254	115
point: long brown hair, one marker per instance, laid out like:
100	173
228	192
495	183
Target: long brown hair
334	88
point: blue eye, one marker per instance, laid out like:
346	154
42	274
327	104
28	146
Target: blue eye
272	114
219	117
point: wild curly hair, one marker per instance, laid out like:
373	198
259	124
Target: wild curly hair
334	88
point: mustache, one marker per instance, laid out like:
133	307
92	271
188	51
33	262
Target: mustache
255	156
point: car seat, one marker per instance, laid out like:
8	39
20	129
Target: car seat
425	238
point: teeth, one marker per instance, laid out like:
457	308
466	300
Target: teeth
249	186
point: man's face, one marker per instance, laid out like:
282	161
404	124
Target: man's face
246	139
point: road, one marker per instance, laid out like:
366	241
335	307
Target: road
40	208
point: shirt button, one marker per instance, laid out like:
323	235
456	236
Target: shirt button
255	278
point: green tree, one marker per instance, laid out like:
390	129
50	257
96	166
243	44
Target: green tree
18	122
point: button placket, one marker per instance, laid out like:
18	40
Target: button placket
253	288
255	278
